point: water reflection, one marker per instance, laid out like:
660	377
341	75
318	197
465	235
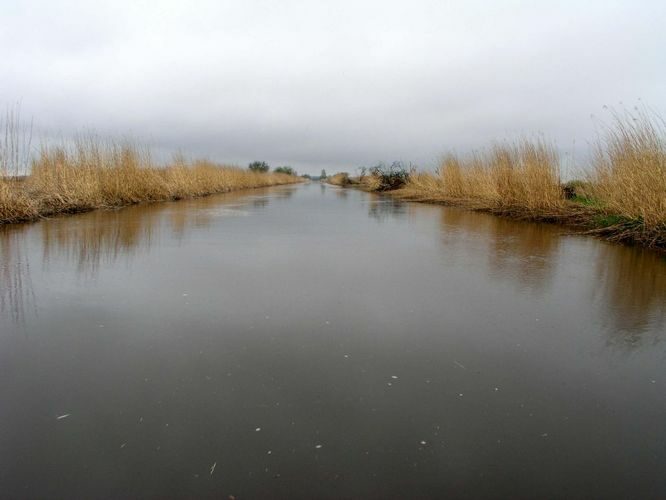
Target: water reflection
100	238
633	285
16	289
629	282
260	202
522	253
384	208
342	193
284	192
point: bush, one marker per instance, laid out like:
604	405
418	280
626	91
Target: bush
285	170
259	166
392	177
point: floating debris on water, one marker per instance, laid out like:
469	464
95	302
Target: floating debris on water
269	452
460	365
63	416
424	442
257	429
394	377
212	469
123	445
318	446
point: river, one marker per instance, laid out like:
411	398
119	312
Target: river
314	342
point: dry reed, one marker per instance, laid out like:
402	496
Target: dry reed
624	198
94	174
520	178
628	183
339	179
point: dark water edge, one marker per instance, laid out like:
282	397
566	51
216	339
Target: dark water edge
383	349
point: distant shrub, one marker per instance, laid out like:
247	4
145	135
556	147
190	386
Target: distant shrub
285	170
259	166
389	177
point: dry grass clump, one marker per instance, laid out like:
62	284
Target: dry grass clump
15	204
521	178
95	174
339	179
628	183
370	182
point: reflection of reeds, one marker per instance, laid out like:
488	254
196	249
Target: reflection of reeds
95	174
382	209
524	253
16	291
106	235
102	236
633	282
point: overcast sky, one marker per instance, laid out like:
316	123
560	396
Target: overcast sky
332	84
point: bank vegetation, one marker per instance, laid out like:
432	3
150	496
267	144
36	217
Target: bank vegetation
622	195
93	173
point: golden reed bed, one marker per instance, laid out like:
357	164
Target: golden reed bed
100	175
622	195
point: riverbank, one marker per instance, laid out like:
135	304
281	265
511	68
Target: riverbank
622	197
94	176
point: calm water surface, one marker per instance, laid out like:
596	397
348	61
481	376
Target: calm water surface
310	342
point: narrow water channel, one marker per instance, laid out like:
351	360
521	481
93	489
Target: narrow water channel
313	342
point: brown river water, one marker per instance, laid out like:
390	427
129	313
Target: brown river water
313	342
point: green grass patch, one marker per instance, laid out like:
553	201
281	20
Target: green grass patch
586	201
609	220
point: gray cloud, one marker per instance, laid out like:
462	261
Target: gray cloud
330	84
